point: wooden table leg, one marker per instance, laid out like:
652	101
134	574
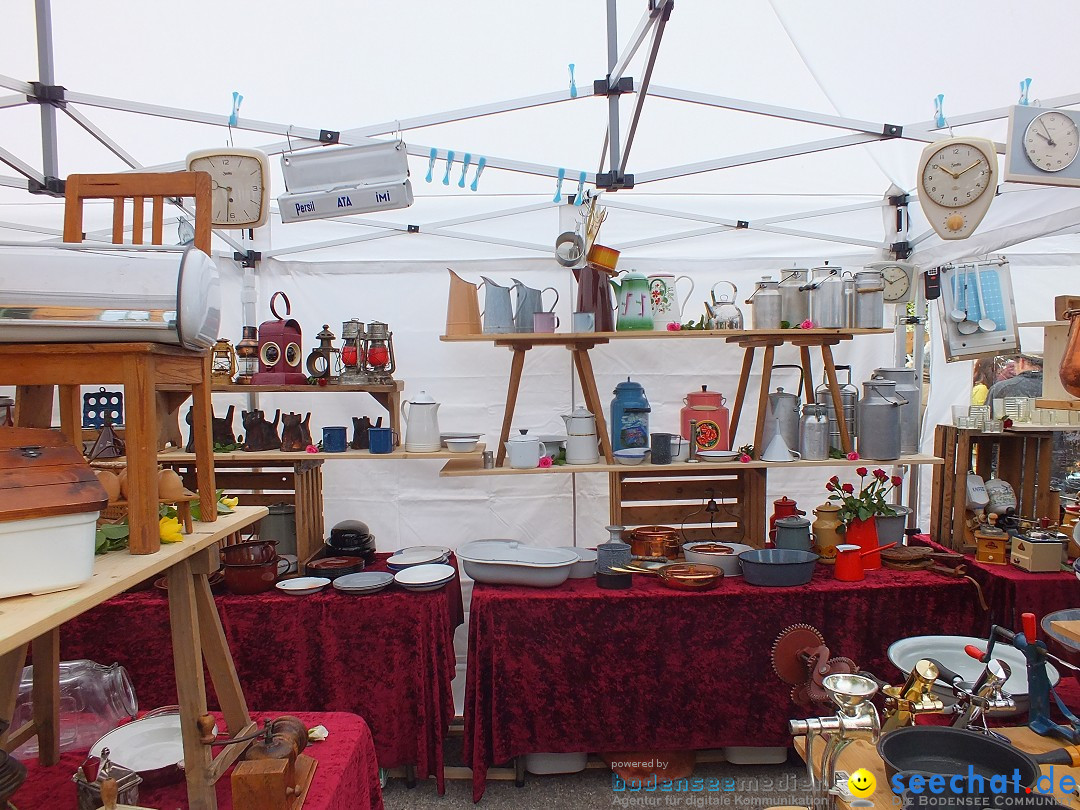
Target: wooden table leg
808	373
834	392
33	406
141	406
11	667
740	392
190	689
71	414
516	365
615	498
46	695
592	398
763	399
201	417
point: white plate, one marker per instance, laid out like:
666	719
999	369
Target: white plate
302	586
444	436
149	744
363	582
420	576
717	455
949	650
418	555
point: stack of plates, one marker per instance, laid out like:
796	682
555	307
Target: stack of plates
425	577
417	555
363	583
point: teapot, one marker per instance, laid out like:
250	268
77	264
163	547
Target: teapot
524	452
723	312
581	437
632	303
529	303
498	315
422	429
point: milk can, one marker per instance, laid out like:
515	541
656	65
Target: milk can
783	406
794	301
707	409
767	305
907	388
849	403
814	433
826	290
879	420
849	300
629	416
869	299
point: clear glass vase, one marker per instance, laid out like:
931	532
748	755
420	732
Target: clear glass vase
94	699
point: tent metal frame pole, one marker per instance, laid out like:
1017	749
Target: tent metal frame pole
14	182
18	85
614	158
50	166
647	22
101	137
12	101
21	166
422	151
662	11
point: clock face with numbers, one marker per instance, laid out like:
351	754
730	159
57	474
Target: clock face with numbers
1051	141
957	182
240	185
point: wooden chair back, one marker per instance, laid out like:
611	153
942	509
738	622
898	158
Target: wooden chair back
138	187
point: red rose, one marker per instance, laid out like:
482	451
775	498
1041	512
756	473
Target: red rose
848	488
834	480
881	475
861	471
897	480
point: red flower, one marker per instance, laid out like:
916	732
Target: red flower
861	471
311	449
674	326
848	488
897	480
745	458
1007	423
545	462
323	381
807	324
834	480
881	475
853	456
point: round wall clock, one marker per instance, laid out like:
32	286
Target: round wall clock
957	182
240	179
1051	141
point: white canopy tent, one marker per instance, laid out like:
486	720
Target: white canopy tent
773	114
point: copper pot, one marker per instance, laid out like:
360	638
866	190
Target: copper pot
654	541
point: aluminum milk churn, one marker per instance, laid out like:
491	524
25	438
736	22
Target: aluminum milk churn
907	388
826	289
784	407
849	402
794	300
814	433
879	421
766	302
629	416
849	300
869	299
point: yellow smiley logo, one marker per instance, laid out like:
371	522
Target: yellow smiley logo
861	783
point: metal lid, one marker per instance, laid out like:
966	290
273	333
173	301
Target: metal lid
423	398
792	522
629	385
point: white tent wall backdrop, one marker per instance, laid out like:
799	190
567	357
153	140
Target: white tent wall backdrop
373	69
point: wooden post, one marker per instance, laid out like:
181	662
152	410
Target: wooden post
516	365
46	695
740	392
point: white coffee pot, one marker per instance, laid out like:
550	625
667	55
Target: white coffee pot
581	437
524	451
421	424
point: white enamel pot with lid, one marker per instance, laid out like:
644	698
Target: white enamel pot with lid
524	451
422	424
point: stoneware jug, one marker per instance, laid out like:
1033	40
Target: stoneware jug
827	536
632	306
529	303
664	296
462	307
421	424
581	438
524	451
498	314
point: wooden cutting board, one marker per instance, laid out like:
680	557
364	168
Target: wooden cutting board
1069	629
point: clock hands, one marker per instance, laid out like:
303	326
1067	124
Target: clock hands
968	169
1049	137
953	176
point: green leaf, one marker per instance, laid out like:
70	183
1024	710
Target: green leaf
114	531
864	513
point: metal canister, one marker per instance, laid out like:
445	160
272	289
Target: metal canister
907	387
849	402
869	299
879	420
826	290
849	300
814	433
629	416
794	301
766	300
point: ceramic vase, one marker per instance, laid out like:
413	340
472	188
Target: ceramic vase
827	532
863	533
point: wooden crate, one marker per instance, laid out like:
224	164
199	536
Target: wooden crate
1023	459
675	498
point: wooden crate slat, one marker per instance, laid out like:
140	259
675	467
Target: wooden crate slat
724	534
681	490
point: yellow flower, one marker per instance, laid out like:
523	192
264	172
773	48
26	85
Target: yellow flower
169	530
230	502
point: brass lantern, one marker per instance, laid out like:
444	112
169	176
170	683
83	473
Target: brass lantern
247	356
324	362
222	362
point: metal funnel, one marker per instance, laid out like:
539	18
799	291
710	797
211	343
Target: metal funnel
849	692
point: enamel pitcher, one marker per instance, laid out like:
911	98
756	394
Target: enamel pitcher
462	307
498	314
529	303
422	424
632	306
664	296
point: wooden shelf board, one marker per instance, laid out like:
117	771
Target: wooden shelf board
559	338
23	618
1059	404
333	388
469	466
1033	428
354	455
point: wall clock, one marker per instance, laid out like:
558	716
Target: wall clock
898	277
240	179
957	183
1042	146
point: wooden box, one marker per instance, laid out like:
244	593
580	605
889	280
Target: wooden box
991	550
1037	557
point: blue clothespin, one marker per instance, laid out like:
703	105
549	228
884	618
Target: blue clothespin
237	100
939	110
449	165
558	186
464	170
431	163
573	84
479	171
1024	85
579	198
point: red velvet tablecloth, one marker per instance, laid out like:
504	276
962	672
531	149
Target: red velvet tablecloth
576	668
387	657
346	778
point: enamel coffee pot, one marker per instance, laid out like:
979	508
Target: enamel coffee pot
581	438
632	306
782	507
849	561
421	424
524	452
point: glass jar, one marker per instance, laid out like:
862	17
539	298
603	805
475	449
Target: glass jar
94	699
